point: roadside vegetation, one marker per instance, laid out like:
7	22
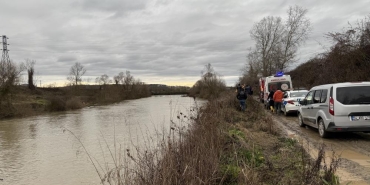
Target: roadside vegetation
210	86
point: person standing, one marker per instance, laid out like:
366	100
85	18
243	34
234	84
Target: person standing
237	88
271	104
242	96
249	90
278	99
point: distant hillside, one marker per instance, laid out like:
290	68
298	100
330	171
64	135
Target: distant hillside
161	89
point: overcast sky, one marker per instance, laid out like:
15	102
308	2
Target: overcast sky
159	41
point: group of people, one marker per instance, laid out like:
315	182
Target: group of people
242	92
275	99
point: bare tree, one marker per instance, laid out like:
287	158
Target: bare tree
296	31
9	76
76	72
211	84
128	81
354	37
267	33
119	78
10	73
30	67
102	80
277	43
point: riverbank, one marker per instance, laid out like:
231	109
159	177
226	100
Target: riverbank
23	102
226	146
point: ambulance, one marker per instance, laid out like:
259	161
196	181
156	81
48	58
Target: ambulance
279	81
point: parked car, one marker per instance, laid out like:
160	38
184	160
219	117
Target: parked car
291	101
341	107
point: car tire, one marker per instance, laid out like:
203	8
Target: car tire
300	120
322	131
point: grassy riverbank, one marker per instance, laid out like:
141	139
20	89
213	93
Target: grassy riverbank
23	102
224	146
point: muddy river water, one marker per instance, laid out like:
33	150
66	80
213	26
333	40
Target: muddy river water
46	150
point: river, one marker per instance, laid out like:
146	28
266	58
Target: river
46	149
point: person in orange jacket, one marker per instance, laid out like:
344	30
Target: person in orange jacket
278	99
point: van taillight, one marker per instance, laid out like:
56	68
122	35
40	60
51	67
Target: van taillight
331	106
291	102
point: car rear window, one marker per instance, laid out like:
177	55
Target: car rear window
298	94
353	95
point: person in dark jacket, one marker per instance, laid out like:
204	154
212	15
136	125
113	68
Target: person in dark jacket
271	100
242	96
249	90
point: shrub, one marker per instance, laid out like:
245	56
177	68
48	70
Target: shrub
74	103
56	104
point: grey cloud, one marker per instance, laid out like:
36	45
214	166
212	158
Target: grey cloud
67	58
114	6
156	39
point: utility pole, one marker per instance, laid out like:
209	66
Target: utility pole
5	56
5	61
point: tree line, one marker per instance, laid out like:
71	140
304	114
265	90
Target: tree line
347	60
276	46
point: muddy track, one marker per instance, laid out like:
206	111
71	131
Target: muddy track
353	148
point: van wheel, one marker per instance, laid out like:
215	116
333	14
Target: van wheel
300	120
322	132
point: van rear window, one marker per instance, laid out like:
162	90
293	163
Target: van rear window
353	95
284	86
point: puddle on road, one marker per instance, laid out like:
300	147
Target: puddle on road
344	176
361	159
348	178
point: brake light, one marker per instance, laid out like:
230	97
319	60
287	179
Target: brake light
291	102
331	106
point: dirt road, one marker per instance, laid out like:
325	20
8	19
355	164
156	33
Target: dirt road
352	148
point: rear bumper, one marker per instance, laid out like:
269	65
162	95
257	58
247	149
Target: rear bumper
333	128
291	108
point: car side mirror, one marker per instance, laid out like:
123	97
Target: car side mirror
303	102
285	96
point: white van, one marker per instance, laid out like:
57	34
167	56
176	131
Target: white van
341	107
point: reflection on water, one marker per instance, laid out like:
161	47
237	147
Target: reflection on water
35	150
